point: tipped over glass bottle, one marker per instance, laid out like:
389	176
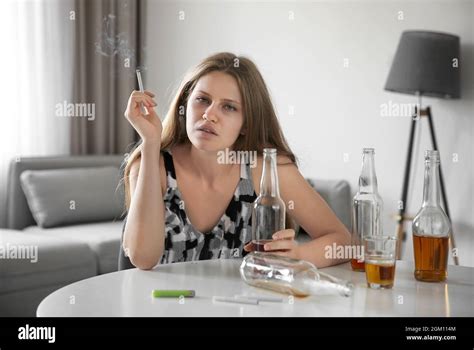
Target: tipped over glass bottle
367	208
431	227
290	276
268	212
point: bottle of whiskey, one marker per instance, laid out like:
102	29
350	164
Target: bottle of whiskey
290	276
367	208
431	227
268	212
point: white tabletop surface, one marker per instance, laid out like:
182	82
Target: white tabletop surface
128	293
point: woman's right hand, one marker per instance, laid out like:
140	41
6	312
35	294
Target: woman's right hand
148	126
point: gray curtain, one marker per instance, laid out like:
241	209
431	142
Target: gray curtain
108	41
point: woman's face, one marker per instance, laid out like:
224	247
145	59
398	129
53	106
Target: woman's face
214	115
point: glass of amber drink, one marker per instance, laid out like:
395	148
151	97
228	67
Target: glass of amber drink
380	258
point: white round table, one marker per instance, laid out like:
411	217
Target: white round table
128	293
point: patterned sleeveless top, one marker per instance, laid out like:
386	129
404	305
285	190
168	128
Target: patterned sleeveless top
226	240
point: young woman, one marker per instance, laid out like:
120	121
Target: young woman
183	204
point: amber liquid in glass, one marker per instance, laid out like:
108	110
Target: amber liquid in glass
259	245
431	258
357	265
379	273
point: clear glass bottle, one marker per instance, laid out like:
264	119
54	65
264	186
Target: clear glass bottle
268	212
367	209
290	276
431	227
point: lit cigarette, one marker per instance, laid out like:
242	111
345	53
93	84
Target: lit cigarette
260	298
235	300
142	89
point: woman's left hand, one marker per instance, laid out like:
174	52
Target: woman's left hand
283	243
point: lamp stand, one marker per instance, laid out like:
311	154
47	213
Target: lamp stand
400	232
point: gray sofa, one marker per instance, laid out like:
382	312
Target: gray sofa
69	253
65	254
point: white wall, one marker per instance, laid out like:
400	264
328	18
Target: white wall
337	109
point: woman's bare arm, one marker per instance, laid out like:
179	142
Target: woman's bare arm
143	239
311	212
144	231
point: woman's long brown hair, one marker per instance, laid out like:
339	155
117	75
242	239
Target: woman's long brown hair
261	125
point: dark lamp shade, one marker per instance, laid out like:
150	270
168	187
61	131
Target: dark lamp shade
425	63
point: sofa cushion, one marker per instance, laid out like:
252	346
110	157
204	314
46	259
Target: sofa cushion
71	196
103	239
337	194
33	261
18	212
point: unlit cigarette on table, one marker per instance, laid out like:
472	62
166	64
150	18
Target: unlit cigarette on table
234	300
260	298
142	89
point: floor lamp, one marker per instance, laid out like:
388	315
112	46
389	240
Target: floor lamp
425	64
